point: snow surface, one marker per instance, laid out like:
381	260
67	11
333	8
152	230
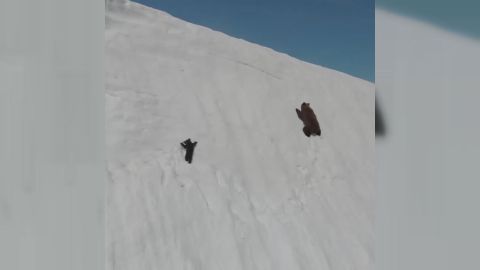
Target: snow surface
427	164
259	194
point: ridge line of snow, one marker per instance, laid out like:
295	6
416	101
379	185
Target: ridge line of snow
125	6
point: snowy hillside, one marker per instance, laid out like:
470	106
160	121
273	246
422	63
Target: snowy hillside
259	193
427	164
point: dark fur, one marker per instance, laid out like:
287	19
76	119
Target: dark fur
190	147
310	122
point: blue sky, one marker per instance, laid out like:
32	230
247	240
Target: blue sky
338	34
460	16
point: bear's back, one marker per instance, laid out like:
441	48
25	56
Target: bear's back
310	120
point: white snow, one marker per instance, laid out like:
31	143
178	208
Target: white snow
427	164
259	194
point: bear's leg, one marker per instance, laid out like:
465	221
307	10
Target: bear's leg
306	131
189	155
299	114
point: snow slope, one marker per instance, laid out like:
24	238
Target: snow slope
259	194
427	164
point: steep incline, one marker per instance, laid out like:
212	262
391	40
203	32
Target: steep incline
259	194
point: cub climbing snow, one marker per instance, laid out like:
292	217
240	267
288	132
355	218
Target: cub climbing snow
189	146
310	122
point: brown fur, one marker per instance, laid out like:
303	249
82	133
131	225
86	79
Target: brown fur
310	122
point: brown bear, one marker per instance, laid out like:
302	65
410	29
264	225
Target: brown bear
189	146
306	114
